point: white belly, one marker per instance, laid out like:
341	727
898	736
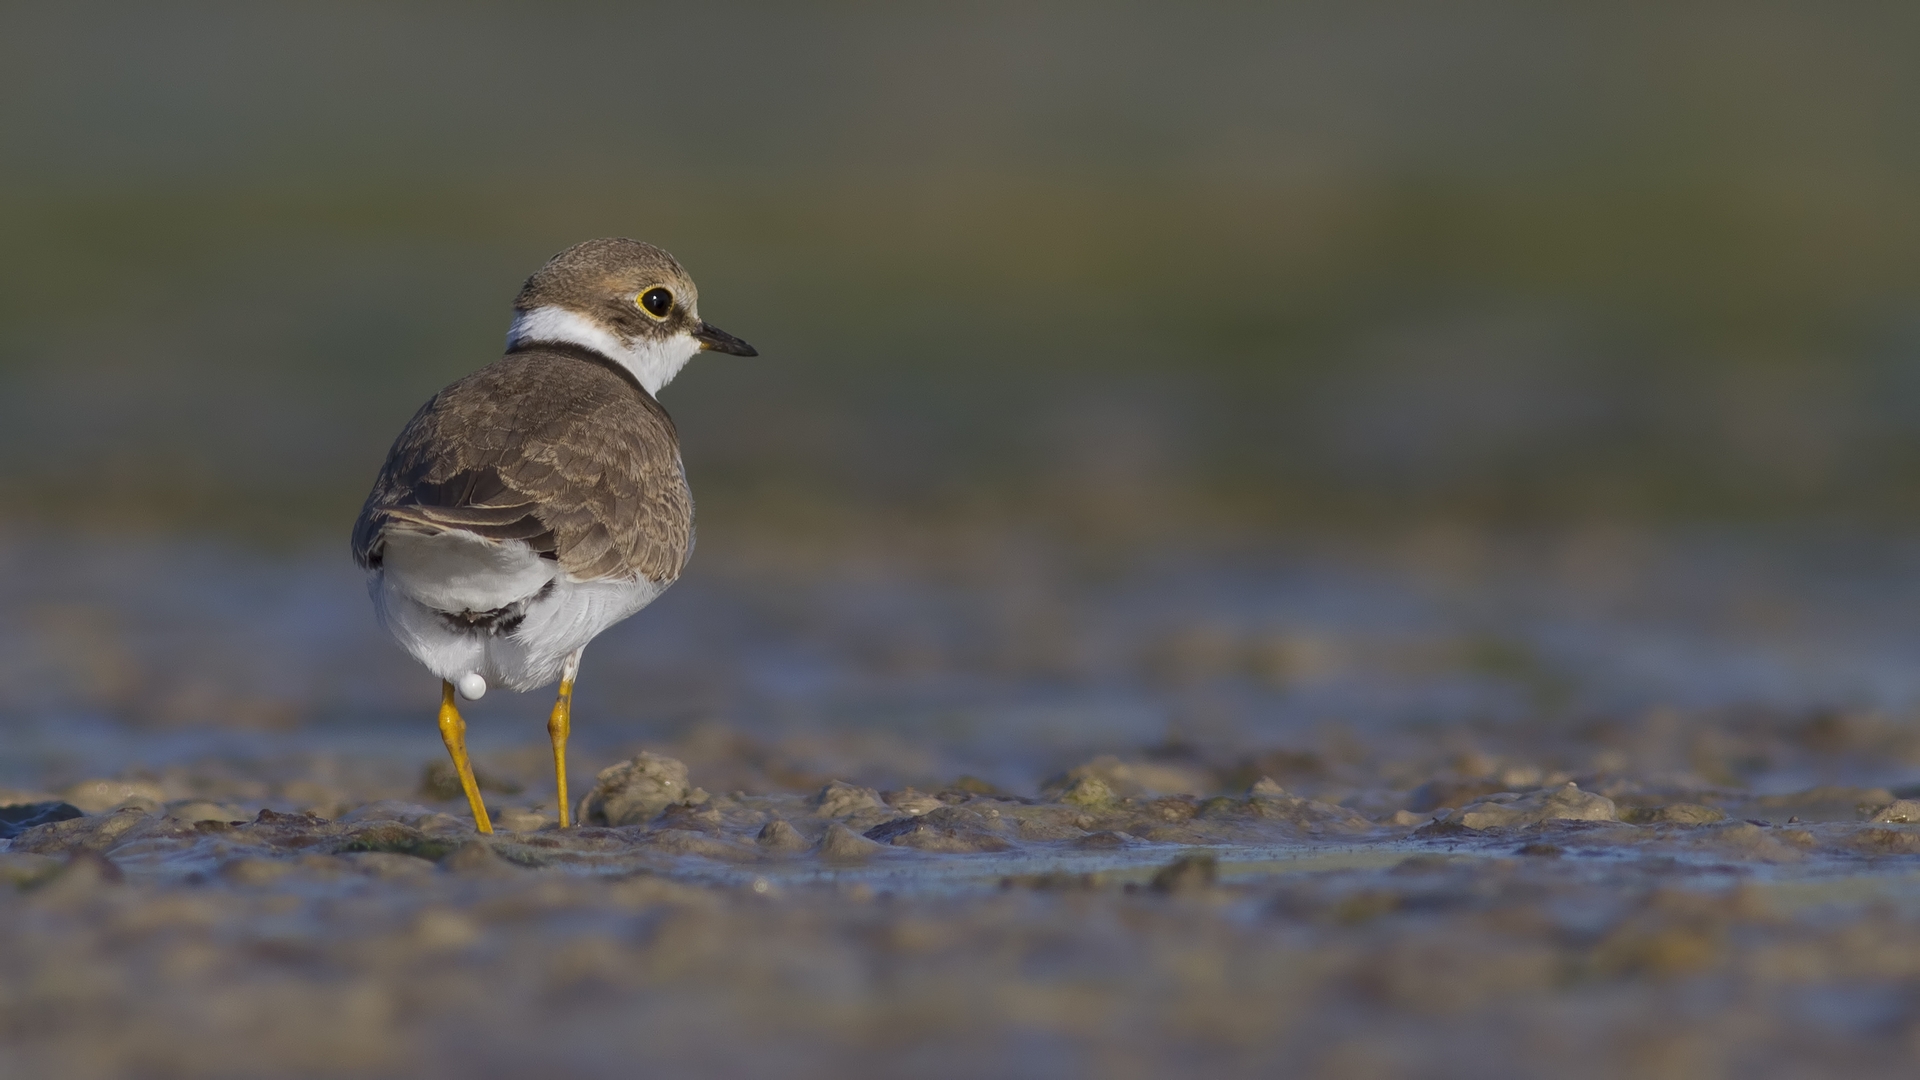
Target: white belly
425	578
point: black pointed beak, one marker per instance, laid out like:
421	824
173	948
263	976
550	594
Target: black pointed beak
714	339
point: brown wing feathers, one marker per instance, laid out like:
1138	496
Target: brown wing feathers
547	448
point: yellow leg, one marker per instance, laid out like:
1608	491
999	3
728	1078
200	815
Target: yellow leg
559	725
453	732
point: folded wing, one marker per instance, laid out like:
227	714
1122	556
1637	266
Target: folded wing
547	449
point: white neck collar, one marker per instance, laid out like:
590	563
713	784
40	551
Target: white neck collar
654	364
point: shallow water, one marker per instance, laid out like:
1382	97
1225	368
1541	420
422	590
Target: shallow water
1224	807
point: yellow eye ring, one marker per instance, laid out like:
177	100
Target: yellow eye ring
657	303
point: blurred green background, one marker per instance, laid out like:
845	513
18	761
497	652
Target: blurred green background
1279	266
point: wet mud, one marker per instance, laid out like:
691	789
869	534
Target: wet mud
1362	838
967	931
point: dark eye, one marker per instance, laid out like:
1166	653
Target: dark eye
657	302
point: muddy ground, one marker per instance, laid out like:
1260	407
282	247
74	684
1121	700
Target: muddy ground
1593	805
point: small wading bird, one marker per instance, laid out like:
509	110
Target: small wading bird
540	500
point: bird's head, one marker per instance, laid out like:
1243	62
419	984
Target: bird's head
626	300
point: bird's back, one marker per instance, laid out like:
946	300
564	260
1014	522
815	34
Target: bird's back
552	446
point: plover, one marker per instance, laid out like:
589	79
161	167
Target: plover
540	500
